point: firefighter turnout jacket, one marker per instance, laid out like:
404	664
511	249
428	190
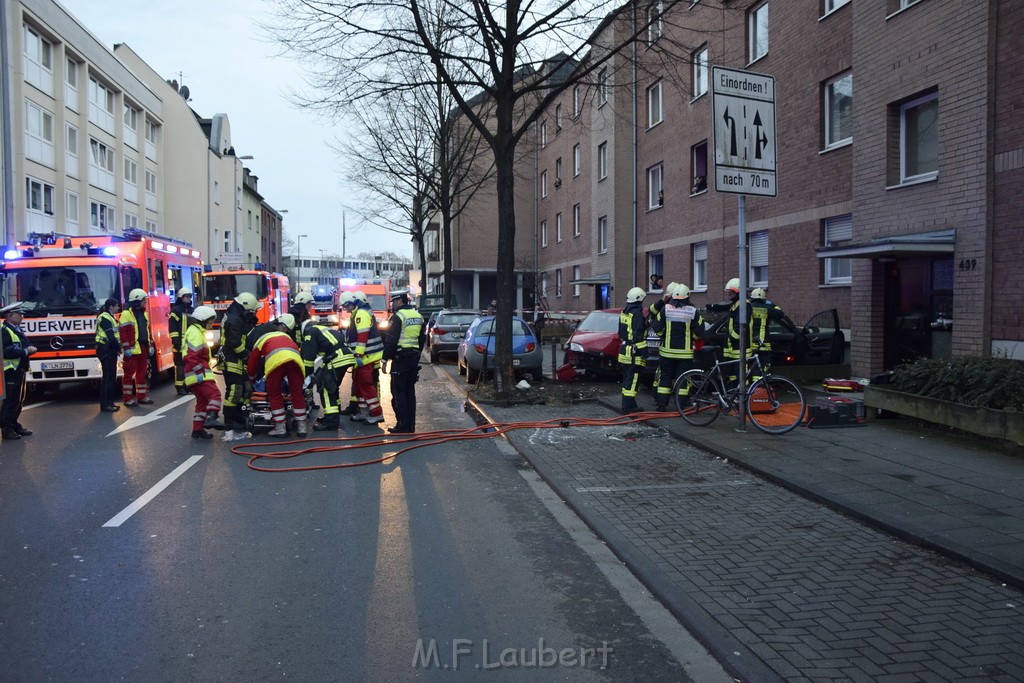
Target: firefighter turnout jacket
237	323
369	347
198	356
177	324
134	330
632	335
272	350
679	324
328	343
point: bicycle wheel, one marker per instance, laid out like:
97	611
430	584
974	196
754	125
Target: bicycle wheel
775	405
699	406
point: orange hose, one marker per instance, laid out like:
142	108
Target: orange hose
419	440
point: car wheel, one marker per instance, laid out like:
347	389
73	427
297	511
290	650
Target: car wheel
538	375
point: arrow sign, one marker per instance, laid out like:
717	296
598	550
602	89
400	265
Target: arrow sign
139	420
745	135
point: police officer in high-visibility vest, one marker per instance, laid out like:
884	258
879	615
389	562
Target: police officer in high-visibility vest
368	347
403	344
137	346
177	323
632	347
108	348
239	319
17	350
328	344
679	325
199	377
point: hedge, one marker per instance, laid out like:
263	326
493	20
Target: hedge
988	382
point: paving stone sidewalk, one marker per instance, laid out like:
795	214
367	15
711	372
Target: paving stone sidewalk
779	586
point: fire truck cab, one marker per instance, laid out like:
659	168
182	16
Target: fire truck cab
220	288
377	293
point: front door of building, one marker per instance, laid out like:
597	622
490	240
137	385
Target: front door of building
918	297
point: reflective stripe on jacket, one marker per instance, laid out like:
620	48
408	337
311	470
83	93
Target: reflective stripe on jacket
129	326
198	358
106	338
369	344
274	349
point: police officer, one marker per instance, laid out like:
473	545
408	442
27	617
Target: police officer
632	347
108	348
329	345
177	323
403	345
239	319
16	353
137	345
680	325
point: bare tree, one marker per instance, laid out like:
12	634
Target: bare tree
497	50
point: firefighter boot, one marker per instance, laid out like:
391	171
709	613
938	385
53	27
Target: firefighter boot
301	427
629	405
278	430
201	434
212	422
351	409
361	416
328	424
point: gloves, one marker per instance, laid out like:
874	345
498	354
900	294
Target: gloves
127	353
360	362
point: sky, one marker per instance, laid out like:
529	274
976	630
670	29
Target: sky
217	50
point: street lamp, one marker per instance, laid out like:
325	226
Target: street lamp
238	195
298	268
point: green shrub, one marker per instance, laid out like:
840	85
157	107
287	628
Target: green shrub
989	382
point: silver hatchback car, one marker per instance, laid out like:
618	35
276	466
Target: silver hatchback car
448	331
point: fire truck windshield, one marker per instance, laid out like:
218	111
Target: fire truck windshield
71	291
377	302
226	286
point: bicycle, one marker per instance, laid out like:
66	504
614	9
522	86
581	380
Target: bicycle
774	404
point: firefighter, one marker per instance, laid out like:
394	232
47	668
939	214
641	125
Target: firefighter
16	353
108	348
276	356
302	310
177	323
347	301
632	347
137	345
731	351
762	312
239	319
654	313
198	368
329	345
403	345
679	325
368	348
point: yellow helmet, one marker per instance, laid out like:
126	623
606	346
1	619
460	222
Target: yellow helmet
248	301
286	319
303	298
137	295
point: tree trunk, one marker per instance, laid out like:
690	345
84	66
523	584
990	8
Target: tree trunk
504	166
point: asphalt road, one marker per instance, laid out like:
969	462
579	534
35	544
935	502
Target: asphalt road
146	555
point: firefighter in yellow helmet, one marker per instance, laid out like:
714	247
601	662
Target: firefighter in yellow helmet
137	345
632	347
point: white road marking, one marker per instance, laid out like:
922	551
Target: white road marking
122	516
139	420
36	405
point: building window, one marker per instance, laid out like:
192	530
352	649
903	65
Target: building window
576	211
602	235
101	217
576	101
130	221
700	267
602	161
558	118
39	197
153	226
757	30
655	266
654	111
907	3
71	209
833	5
38	60
919	138
131	180
543	233
602	86
227	241
558	172
543	184
576	160
150	189
38	134
558	282
839	110
544	284
152	135
71	84
838	231
131	126
699	168
655	188
216	192
101	165
558	227
101	105
654	22
757	249
700	71
543	134
71	150
576	277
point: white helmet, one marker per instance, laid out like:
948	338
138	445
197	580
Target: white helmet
733	285
286	319
184	291
347	298
137	295
681	291
360	297
759	294
303	298
204	313
634	295
248	301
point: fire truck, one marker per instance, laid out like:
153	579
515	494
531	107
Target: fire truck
64	280
220	288
377	293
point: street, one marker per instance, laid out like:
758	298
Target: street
143	554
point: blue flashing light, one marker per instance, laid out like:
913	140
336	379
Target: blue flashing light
11	254
111	251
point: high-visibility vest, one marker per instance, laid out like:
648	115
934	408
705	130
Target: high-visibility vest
105	336
129	319
681	325
412	323
195	338
11	337
372	350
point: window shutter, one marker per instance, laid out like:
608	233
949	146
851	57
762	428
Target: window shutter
757	243
700	251
838	229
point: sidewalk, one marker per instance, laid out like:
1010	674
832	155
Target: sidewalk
781	587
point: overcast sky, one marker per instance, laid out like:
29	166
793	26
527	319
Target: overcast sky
215	48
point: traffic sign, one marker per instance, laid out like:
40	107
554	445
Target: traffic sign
744	125
227	257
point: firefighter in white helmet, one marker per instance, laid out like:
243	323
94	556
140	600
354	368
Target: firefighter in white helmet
632	347
679	325
238	321
199	377
137	346
761	313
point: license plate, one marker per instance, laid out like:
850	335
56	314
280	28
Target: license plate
515	361
59	365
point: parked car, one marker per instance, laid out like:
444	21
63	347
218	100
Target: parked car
478	348
594	347
446	331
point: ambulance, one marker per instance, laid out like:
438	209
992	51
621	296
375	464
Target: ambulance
64	280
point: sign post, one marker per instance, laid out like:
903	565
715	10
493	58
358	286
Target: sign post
744	126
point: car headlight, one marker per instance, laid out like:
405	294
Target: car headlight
382	325
213	336
574	346
345	323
